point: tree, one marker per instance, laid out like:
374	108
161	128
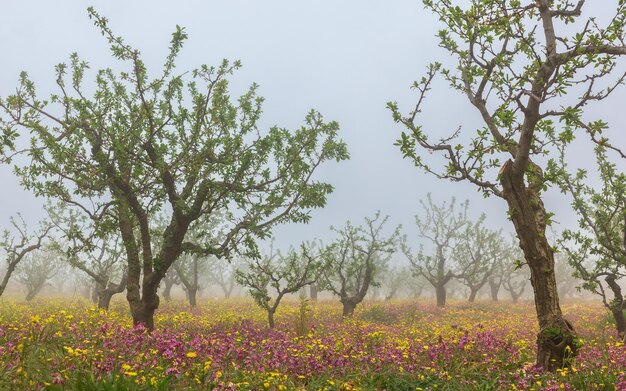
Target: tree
495	280
441	226
281	274
36	270
601	236
138	147
189	269
477	252
356	259
394	279
17	246
515	64
223	274
99	257
171	278
514	281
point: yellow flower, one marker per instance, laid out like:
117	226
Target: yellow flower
191	354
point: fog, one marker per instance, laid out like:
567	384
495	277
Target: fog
345	59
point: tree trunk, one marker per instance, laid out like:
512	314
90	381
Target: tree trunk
494	289
348	308
167	292
555	341
104	299
270	319
313	292
472	295
617	306
191	295
440	292
95	291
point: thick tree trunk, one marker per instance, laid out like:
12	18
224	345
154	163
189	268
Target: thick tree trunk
95	291
270	319
494	288
555	341
105	295
191	296
104	299
472	295
440	292
348	307
167	292
313	292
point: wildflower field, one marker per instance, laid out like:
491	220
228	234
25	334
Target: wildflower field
226	344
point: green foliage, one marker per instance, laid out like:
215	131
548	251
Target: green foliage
131	146
358	258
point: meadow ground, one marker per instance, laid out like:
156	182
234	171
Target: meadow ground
225	344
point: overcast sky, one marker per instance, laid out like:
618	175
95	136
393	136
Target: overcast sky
344	58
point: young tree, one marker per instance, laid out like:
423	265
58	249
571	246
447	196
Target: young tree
17	246
601	236
356	259
282	274
138	146
441	226
515	64
36	270
477	252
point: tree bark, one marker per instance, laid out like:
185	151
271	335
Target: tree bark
348	307
472	295
555	340
313	292
191	295
167	292
494	288
617	307
270	319
440	292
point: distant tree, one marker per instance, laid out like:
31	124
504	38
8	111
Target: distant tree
133	146
393	280
477	253
441	225
19	244
357	257
169	280
597	249
272	277
223	274
190	270
36	271
495	280
98	256
526	68
514	280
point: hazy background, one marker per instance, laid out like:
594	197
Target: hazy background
344	58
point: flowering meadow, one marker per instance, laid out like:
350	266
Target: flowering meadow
226	344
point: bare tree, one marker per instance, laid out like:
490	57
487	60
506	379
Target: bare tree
357	257
441	226
17	246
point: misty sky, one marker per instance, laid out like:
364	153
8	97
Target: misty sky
344	58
